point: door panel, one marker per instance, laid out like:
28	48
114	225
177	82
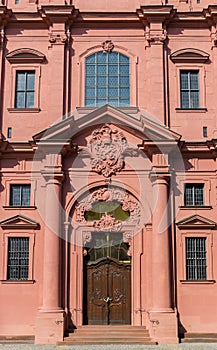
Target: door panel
107	292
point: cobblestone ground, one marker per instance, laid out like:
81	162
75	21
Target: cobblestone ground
201	346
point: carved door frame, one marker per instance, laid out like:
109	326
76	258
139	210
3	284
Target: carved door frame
78	236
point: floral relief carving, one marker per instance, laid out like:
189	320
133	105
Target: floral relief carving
108	194
107	46
107	222
107	147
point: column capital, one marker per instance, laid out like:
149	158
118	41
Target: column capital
156	175
51	176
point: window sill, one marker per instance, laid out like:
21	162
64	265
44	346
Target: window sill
198	282
195	207
23	110
191	110
29	207
17	281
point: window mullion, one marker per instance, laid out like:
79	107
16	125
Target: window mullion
189	90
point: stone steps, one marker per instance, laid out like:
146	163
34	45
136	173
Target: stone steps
200	338
17	339
88	335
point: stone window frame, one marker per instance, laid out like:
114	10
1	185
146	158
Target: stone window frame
4	263
190	59
202	94
21	181
27	67
25	59
207	188
133	62
206	233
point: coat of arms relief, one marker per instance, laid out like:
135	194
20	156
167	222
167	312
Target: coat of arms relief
108	147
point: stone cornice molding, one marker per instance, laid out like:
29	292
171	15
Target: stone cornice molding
199	146
189	55
54	15
25	55
58	13
107	17
155	18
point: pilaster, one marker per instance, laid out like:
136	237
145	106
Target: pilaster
155	19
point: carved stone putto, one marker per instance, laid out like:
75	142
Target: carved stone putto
107	147
107	46
107	223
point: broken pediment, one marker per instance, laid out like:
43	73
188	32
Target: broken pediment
20	222
196	221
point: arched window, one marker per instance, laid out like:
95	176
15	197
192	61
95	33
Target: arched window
107	79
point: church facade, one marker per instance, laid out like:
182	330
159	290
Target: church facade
108	167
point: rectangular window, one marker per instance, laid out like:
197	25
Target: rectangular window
18	258
194	195
20	195
196	259
189	89
25	89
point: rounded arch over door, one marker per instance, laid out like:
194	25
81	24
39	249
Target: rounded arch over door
104	268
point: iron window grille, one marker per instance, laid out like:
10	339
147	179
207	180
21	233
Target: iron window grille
194	195
18	258
20	195
25	89
196	264
189	89
107	79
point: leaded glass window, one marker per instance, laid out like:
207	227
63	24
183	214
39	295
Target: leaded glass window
107	79
189	89
18	258
107	245
196	258
194	195
25	89
20	195
101	208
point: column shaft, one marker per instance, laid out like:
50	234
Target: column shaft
51	280
161	286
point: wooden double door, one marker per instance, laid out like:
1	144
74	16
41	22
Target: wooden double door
107	292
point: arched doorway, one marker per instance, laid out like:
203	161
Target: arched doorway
108	268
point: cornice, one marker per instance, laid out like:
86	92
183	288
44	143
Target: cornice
199	146
58	13
102	17
156	12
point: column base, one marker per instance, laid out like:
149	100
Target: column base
163	326
49	327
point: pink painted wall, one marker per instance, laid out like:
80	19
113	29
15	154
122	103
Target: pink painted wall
60	91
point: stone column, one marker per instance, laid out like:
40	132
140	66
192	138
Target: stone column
162	317
51	273
161	284
50	321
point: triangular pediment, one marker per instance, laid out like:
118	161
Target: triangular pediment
140	123
196	221
20	222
